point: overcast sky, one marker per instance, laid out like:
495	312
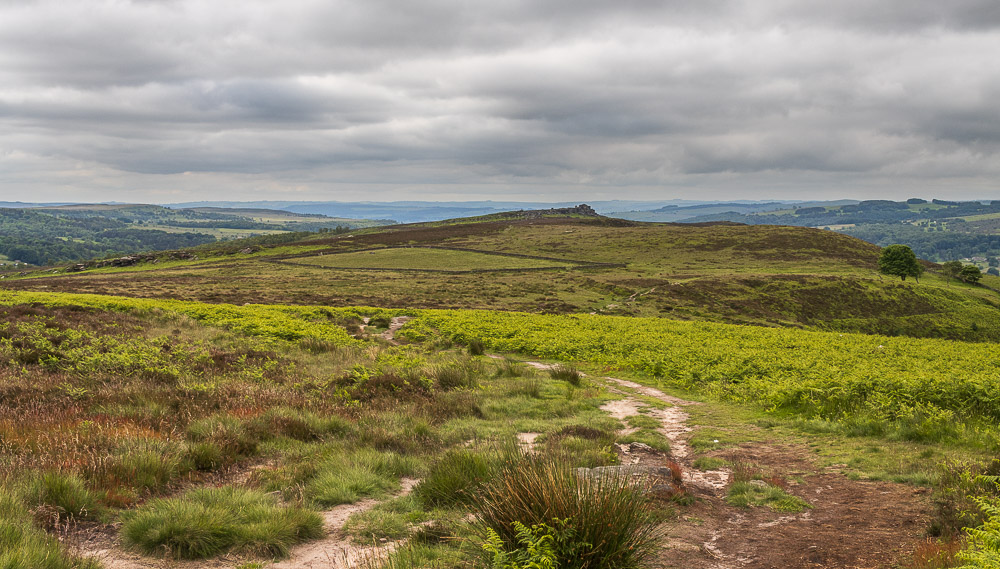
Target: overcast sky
177	100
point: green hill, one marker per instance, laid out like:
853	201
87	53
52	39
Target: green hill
569	262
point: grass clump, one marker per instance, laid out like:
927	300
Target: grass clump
208	521
455	478
345	480
64	495
751	488
754	493
608	518
299	424
710	463
23	546
567	373
232	437
148	465
476	347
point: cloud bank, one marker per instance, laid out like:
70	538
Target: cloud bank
175	100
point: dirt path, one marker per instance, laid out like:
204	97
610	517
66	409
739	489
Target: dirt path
334	551
395	324
852	524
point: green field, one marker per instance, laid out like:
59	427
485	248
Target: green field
427	259
125	414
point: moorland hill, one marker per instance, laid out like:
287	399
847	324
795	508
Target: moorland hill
575	261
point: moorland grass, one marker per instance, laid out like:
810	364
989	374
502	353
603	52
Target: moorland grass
454	478
363	473
65	493
205	522
754	493
609	516
567	373
23	546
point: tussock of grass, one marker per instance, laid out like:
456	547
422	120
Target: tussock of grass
609	516
364	473
454	478
300	424
653	438
148	465
208	521
709	463
754	493
513	368
566	373
476	347
228	433
65	493
22	546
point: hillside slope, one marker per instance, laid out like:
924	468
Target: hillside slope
769	275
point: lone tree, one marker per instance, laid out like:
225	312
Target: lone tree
970	274
951	269
899	260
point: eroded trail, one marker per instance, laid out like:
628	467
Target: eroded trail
851	524
335	550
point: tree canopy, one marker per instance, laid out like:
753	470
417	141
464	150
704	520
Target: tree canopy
900	261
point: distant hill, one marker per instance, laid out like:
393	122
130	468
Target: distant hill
938	230
420	211
567	262
50	234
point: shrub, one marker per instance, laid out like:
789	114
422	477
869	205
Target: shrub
454	479
608	515
64	492
476	347
566	373
208	521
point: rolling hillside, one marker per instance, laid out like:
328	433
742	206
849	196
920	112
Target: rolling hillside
569	263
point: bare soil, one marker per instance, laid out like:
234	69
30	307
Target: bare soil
851	525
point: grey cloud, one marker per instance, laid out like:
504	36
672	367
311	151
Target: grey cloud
634	93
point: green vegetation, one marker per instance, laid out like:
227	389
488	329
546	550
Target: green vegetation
207	521
899	260
938	231
109	403
135	409
427	259
763	275
23	546
755	493
924	390
599	521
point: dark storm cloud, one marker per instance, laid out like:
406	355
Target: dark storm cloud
310	95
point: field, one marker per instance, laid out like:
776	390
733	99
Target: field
427	259
377	395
